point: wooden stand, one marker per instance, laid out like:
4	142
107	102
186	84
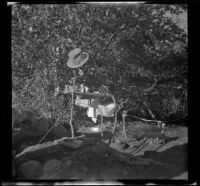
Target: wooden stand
88	95
72	104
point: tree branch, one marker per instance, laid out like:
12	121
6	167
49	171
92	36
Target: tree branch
173	74
79	33
152	86
114	36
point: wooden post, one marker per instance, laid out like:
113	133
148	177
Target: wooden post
101	119
115	113
72	105
124	114
115	122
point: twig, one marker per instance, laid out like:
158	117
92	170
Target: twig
152	86
111	39
79	33
142	145
47	133
113	36
150	112
124	114
177	70
147	120
143	119
180	73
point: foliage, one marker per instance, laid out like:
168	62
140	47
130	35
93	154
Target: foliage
137	51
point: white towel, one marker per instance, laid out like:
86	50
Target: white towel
94	119
82	102
107	111
90	113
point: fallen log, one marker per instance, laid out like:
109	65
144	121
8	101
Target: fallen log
48	144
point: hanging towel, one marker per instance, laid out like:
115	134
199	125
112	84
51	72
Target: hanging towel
106	110
82	102
90	113
95	104
69	89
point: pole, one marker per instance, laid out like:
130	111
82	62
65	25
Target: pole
124	114
72	105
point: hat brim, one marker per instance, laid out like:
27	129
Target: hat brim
71	63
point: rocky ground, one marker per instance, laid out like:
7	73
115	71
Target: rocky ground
146	154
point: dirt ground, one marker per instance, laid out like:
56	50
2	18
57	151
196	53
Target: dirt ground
146	154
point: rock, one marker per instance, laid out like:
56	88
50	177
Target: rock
31	169
67	162
176	131
125	172
51	169
51	164
173	143
75	177
51	176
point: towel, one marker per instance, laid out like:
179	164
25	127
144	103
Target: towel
82	102
91	113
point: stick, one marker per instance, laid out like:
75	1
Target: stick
147	120
101	119
124	122
72	106
47	133
115	123
115	114
142	145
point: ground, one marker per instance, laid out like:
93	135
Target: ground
146	154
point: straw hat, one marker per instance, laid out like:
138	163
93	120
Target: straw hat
77	58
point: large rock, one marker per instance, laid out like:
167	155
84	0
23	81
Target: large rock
51	169
31	169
